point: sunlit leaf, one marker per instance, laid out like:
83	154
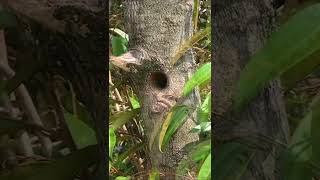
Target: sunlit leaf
154	175
134	102
119	45
199	152
82	135
171	124
120	33
201	76
205	170
295	42
202	127
123	178
204	111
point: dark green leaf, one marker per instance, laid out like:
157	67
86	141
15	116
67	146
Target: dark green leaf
63	169
120	119
295	41
6	18
112	140
82	135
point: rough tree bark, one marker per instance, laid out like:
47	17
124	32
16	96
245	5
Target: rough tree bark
156	29
70	36
240	28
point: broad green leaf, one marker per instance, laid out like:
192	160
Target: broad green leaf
134	102
204	111
190	43
123	178
205	170
300	70
300	142
294	169
82	135
63	169
315	130
112	141
154	175
201	76
120	33
120	119
295	41
119	45
227	160
198	152
6	18
174	120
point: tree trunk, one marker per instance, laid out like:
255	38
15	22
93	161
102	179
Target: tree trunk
158	28
70	36
240	28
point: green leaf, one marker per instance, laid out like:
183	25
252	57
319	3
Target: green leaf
295	41
198	153
120	33
154	175
120	119
82	135
294	169
63	169
202	127
205	170
112	141
228	159
300	70
129	152
6	18
203	75
119	45
175	120
123	178
204	111
134	102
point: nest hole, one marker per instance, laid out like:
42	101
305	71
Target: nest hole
159	80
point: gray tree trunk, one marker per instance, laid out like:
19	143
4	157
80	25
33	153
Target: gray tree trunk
240	28
159	27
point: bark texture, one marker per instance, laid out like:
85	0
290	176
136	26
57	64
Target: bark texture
240	28
159	27
70	37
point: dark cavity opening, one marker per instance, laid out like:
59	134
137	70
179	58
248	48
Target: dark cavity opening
159	80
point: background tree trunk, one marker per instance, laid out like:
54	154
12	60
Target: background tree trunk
159	27
240	28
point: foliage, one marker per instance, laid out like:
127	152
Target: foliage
292	53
